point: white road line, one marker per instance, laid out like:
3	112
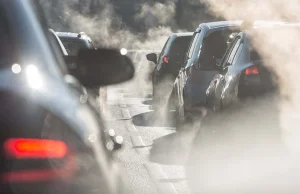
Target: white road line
157	174
130	126
125	113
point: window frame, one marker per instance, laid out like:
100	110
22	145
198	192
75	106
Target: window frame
193	45
228	54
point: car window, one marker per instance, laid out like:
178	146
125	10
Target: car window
179	47
178	50
73	45
254	55
231	50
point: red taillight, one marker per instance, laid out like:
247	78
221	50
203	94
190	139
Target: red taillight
252	71
34	148
20	149
166	59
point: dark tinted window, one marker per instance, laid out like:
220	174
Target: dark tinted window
254	56
179	47
73	45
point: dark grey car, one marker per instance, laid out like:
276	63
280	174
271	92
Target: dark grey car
51	140
168	64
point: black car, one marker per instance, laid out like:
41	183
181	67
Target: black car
51	140
241	74
208	45
167	66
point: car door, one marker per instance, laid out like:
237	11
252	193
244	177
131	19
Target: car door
181	78
218	84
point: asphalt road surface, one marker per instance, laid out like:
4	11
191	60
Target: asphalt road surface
130	114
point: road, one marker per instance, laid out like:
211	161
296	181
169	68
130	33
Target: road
130	114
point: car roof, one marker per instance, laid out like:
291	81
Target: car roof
72	35
180	35
183	34
223	24
270	26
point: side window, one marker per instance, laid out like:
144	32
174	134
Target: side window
231	51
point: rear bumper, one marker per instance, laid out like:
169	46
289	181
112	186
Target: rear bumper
194	95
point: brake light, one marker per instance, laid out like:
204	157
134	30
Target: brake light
20	148
34	148
166	59
252	71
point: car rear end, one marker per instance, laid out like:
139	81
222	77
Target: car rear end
41	152
169	63
256	79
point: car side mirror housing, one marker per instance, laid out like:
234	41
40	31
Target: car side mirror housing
152	57
101	67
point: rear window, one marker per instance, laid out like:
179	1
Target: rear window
180	46
254	56
73	45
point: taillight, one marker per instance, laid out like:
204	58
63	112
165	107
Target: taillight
34	148
62	163
166	59
252	71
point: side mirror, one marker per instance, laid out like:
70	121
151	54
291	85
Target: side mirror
101	67
152	57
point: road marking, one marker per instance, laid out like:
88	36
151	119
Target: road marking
155	171
139	145
125	113
130	126
157	174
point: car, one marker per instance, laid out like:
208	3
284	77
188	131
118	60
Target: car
241	74
52	141
240	149
208	45
167	66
